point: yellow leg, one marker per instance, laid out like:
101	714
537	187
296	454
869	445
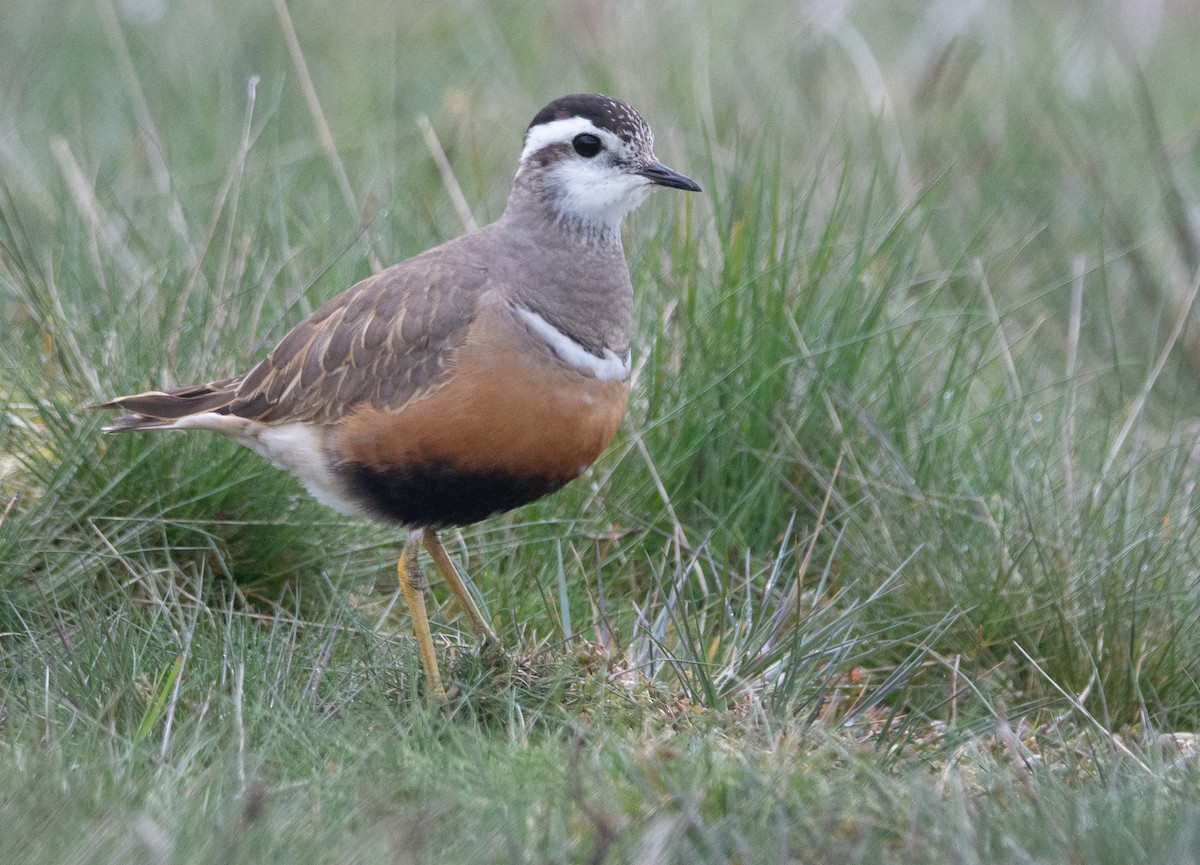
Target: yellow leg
479	624
412	585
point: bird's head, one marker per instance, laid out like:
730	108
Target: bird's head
590	158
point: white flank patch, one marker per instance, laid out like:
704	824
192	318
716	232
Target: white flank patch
295	447
608	367
299	449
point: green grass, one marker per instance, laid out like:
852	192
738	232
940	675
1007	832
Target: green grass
892	561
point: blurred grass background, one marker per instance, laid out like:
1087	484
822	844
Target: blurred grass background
891	562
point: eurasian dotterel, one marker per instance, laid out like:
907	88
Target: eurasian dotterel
471	379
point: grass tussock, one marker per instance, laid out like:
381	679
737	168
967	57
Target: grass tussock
893	560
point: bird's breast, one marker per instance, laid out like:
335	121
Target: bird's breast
513	421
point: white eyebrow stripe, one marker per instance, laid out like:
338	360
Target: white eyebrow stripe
608	367
554	132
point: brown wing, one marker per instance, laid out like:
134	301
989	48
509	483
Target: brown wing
385	341
381	343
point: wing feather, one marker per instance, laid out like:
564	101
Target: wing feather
384	342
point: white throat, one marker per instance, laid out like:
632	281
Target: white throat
594	197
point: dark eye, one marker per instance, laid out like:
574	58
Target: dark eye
586	144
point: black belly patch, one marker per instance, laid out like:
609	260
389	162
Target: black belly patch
437	494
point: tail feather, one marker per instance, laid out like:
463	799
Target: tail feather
159	409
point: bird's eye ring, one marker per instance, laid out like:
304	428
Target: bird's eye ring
586	144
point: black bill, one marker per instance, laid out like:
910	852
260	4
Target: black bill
660	175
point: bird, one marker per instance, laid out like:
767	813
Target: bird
469	380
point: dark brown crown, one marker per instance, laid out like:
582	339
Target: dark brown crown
604	111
